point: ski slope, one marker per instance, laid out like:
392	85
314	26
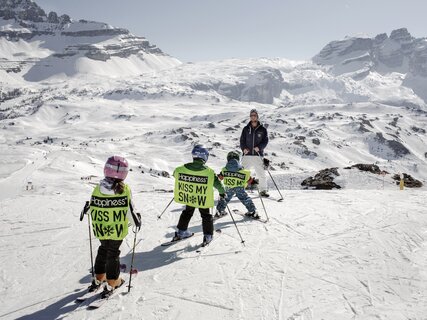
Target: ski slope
359	252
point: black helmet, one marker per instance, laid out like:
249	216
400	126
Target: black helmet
200	152
233	155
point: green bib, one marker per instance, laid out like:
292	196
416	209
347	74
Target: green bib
235	179
109	214
194	188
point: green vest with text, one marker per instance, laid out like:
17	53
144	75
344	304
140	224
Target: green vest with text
109	214
194	188
235	179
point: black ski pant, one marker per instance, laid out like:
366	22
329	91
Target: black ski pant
207	219
107	260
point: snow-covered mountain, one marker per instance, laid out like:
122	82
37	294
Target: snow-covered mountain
74	92
38	46
398	53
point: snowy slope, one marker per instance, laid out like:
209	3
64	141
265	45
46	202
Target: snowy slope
333	255
323	255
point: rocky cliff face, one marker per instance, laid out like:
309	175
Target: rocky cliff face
61	38
400	52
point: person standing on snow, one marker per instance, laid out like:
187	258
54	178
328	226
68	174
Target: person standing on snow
110	204
253	141
235	179
194	183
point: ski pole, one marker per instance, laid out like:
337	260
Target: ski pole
84	211
271	176
90	244
160	216
131	264
243	241
262	202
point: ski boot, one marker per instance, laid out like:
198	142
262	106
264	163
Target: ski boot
94	286
109	290
253	215
207	239
219	214
182	234
264	194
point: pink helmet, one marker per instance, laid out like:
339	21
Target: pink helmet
116	167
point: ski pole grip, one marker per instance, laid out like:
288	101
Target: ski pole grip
85	210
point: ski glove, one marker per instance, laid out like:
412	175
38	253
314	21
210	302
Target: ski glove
253	182
139	222
85	210
266	163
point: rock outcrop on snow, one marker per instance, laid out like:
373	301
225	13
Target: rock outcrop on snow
372	168
323	180
408	180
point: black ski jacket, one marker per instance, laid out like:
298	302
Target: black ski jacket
254	137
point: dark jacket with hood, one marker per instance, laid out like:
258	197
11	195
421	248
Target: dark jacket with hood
254	137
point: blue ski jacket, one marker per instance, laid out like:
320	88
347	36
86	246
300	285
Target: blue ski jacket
254	137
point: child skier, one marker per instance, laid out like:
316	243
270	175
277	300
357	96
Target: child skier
109	207
235	180
194	183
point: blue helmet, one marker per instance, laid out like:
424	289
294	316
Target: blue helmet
200	152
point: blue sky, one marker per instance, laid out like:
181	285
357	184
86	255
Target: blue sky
196	30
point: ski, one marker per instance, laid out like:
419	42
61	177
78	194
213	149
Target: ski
248	217
101	301
218	232
173	241
215	217
89	295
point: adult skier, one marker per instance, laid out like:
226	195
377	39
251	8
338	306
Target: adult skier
110	205
235	179
194	183
253	141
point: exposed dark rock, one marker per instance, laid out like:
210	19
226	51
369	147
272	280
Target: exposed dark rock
281	121
126	117
195	135
418	130
95	33
366	122
408	181
165	174
210	125
323	180
394	122
397	147
283	166
315	141
8	95
373	168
